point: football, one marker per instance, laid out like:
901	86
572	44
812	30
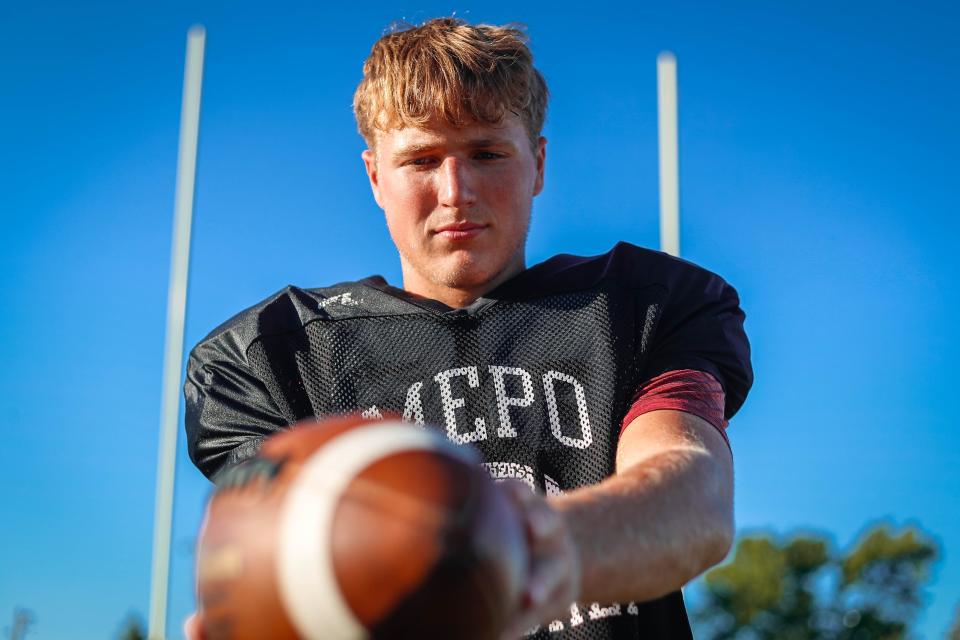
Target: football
351	528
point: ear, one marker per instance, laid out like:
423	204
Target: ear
370	164
541	158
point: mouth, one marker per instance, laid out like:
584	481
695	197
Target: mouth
460	230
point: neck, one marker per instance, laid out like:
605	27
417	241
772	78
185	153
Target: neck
456	296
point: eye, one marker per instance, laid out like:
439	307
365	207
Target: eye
423	161
488	155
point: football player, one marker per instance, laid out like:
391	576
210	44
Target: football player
599	387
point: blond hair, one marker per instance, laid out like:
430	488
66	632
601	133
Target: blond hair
452	71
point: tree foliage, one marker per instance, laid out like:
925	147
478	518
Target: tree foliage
799	589
22	620
954	632
132	629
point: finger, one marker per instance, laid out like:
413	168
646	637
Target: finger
541	520
192	628
519	628
544	521
548	579
565	592
548	592
554	584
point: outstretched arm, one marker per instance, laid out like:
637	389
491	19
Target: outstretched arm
664	517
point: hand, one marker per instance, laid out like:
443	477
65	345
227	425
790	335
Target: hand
192	628
554	579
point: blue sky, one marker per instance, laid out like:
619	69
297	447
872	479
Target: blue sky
817	176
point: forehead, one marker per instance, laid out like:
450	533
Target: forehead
436	134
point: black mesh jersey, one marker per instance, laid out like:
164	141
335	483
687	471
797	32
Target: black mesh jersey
537	375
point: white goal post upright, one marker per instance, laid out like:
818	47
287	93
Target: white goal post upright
669	153
176	312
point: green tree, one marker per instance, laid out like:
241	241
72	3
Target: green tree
954	633
22	619
132	629
799	589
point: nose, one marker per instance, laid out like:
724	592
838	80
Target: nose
455	188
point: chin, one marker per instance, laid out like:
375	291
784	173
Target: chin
468	273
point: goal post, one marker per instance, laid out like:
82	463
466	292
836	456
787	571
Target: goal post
176	313
669	153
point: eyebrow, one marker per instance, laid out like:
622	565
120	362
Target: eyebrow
476	143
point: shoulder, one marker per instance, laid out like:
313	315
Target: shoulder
645	267
696	319
631	267
289	309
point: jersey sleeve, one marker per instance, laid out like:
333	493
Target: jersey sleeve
229	410
701	328
686	390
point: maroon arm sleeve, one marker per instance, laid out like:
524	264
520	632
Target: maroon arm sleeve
687	390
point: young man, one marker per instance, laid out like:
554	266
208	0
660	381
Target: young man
603	383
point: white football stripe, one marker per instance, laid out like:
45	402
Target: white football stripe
308	585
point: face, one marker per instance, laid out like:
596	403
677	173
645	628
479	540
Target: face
457	203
